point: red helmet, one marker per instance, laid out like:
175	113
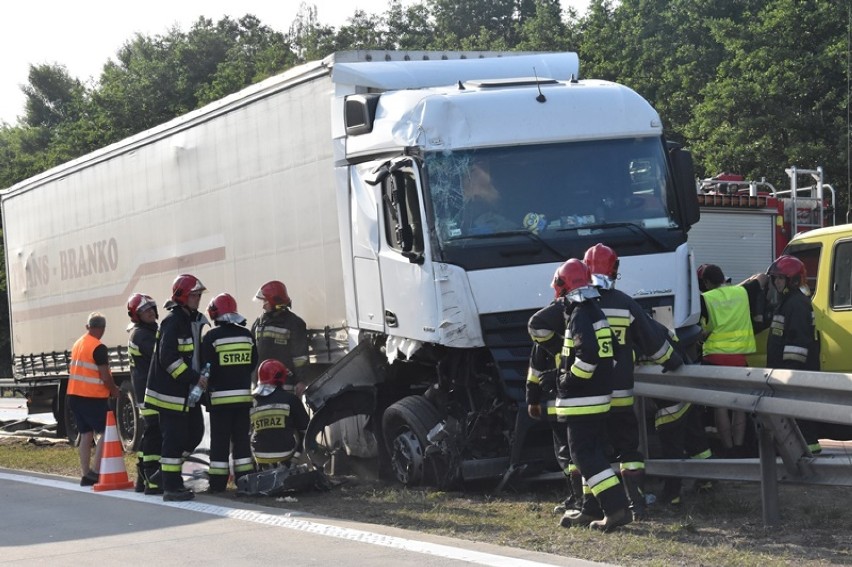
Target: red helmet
602	261
274	293
272	372
570	277
140	302
790	267
183	285
221	305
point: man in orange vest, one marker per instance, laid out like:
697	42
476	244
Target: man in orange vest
90	385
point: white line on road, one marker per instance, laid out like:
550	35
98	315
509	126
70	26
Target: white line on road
290	522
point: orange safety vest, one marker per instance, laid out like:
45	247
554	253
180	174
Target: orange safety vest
84	378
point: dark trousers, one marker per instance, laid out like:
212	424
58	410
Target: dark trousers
684	438
152	443
622	429
182	432
587	440
229	427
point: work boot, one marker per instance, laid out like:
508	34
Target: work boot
91	478
153	478
634	481
140	477
574	501
610	522
671	492
178	495
573	518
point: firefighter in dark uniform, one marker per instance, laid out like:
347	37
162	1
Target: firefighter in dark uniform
634	331
584	395
230	351
142	310
279	333
792	342
547	330
175	369
278	418
679	426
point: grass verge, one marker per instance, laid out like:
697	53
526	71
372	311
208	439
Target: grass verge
720	528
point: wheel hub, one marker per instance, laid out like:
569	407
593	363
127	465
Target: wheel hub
407	458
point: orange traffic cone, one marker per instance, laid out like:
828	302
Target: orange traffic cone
113	473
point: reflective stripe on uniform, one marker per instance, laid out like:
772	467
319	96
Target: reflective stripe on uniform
795	353
622	398
583	369
174	403
604	480
541	335
223	397
671	414
588	405
177	368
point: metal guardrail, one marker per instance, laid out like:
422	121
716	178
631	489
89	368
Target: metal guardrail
775	398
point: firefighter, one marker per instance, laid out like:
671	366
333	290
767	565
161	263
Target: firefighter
279	333
142	310
679	426
584	394
635	332
792	342
278	418
230	351
175	369
547	330
728	336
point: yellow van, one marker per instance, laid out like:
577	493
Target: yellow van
827	255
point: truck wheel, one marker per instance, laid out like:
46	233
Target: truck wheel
68	420
58	406
405	425
127	418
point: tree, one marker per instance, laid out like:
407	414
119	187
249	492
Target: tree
310	40
52	95
409	28
777	99
544	29
461	23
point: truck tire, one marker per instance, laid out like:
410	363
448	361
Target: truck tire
405	425
127	418
66	417
58	406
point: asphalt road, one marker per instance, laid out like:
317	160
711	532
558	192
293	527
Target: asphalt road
48	520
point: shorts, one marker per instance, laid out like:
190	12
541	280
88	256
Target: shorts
89	413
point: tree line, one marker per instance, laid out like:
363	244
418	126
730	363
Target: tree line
750	86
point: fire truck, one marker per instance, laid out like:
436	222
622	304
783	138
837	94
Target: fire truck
746	224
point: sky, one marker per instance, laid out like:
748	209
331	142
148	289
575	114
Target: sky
83	35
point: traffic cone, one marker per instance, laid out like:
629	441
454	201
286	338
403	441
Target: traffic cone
113	473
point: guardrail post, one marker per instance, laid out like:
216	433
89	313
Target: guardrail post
768	476
643	426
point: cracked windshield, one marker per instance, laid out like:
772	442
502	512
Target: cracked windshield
550	188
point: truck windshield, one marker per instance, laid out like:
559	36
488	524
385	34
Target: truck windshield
549	189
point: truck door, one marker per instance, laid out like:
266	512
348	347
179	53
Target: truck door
408	284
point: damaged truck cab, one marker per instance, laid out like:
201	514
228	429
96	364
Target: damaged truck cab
462	186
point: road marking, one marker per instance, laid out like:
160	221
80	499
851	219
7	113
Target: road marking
289	520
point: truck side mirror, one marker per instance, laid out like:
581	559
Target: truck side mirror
684	180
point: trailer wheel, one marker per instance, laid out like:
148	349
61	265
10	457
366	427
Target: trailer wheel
67	416
405	425
58	407
127	418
